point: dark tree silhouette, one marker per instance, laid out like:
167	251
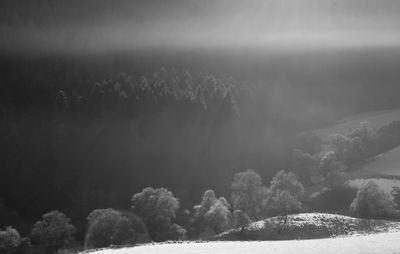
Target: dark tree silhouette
53	231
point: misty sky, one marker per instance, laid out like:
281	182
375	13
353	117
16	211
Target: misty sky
129	24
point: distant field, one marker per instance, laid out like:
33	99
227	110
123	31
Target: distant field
383	169
386	164
385	185
344	126
383	243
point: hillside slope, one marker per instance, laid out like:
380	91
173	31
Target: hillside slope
377	119
351	235
383	243
309	226
387	163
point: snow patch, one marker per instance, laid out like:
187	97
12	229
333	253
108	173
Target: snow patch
378	243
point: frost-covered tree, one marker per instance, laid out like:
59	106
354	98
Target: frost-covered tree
328	163
283	181
285	203
10	240
164	86
212	212
396	196
53	231
364	131
303	164
371	202
357	149
349	149
248	193
218	216
125	233
286	191
336	179
157	208
341	146
241	220
109	227
207	201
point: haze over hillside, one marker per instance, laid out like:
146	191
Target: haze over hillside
136	121
101	25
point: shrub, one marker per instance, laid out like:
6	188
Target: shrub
175	232
53	231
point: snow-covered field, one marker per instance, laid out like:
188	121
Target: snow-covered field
385	243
